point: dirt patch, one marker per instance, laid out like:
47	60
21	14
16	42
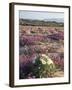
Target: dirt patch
59	74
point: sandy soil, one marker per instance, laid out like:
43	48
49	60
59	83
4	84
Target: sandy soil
59	74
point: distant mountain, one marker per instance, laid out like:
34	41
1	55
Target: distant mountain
45	22
61	20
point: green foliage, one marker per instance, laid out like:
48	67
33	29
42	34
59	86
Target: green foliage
43	70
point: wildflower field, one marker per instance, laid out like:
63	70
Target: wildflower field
41	50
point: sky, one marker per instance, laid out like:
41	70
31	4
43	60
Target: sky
40	15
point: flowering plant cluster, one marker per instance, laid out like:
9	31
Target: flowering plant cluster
40	67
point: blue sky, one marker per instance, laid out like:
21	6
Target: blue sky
41	15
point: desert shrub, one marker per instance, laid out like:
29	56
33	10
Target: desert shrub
41	67
32	31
